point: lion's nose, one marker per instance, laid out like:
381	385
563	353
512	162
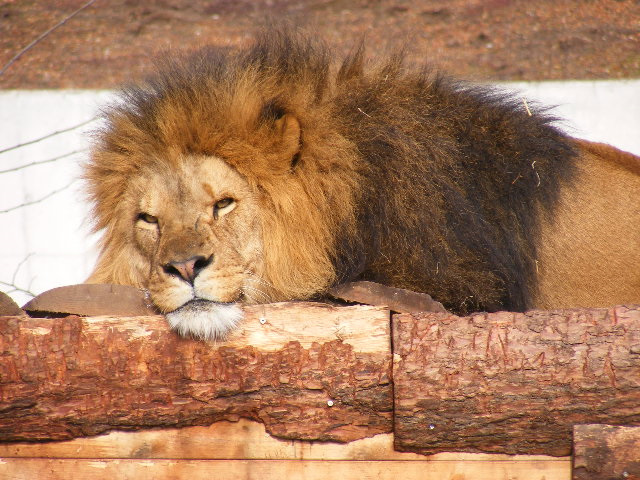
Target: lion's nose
189	269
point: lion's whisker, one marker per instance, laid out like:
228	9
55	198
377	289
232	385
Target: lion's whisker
257	278
266	298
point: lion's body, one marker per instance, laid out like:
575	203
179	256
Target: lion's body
589	251
408	179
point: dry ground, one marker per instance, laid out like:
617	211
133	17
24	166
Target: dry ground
112	41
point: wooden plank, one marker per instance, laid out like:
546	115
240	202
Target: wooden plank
245	445
242	440
604	452
513	382
307	371
94	469
223	440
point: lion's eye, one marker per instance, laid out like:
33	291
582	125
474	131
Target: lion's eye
145	217
222	207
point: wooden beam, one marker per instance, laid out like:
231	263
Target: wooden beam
513	382
604	452
244	450
64	469
307	371
241	440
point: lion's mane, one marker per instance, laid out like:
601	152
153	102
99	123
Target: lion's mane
403	177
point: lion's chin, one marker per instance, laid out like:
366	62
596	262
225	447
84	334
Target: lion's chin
205	320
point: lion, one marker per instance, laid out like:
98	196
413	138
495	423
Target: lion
271	173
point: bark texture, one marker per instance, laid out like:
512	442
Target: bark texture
604	452
306	371
498	383
513	382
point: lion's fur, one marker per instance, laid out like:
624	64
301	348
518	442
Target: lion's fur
590	250
359	171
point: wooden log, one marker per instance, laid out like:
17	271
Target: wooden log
603	452
91	300
496	383
397	299
513	382
307	371
9	307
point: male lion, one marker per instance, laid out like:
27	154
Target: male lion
269	174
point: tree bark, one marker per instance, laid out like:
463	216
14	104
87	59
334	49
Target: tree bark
307	371
603	452
513	382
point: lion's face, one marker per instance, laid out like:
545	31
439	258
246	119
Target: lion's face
197	233
220	183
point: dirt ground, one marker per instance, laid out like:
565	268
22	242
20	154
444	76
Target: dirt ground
113	41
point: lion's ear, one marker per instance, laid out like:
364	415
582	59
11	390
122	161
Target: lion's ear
288	132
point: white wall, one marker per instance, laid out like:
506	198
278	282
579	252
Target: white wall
603	111
52	235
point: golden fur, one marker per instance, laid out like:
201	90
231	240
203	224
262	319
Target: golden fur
591	248
270	173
